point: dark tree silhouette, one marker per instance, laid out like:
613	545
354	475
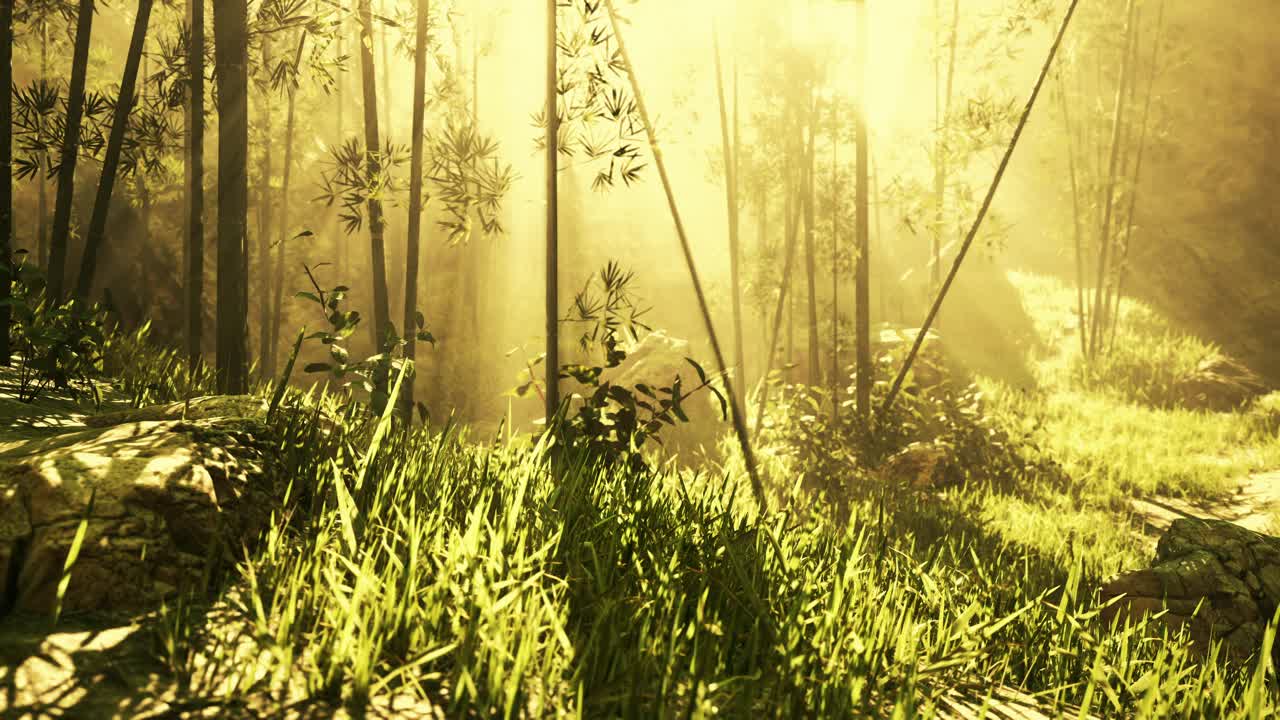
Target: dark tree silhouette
231	48
553	229
193	246
111	160
6	175
373	163
415	192
70	147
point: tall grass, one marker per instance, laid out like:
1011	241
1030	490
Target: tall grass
147	373
477	580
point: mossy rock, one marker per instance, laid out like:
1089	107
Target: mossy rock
1212	577
165	501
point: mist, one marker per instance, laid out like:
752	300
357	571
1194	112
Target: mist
639	358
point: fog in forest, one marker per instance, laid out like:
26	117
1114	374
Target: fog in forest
483	292
639	358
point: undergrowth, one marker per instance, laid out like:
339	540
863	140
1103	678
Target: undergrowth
496	581
517	579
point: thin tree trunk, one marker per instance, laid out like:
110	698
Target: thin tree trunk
415	196
1081	314
111	160
762	240
277	286
810	260
789	372
735	257
231	46
373	161
1126	150
729	150
835	265
194	245
882	244
266	358
1123	268
790	212
476	251
6	177
42	180
862	273
139	175
1108	201
940	161
386	75
792	232
282	242
340	244
553	219
59	241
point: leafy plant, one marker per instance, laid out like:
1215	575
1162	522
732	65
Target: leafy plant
342	324
610	420
58	346
952	416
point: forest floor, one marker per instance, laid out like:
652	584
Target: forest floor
1253	506
1134	468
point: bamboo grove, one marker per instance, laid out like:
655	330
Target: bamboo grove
314	168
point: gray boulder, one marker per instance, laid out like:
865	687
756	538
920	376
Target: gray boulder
1219	384
163	498
1214	578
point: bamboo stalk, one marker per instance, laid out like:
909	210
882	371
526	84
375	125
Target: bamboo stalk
553	213
729	150
1104	233
793	232
1123	266
1081	317
982	211
739	425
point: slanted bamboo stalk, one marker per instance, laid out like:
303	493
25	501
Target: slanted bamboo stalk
982	211
739	424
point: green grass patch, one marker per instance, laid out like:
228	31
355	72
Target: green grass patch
1111	427
498	582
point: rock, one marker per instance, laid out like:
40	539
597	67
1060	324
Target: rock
924	466
656	361
201	408
162	498
1219	384
930	369
1230	574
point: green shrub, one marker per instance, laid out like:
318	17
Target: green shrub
57	346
